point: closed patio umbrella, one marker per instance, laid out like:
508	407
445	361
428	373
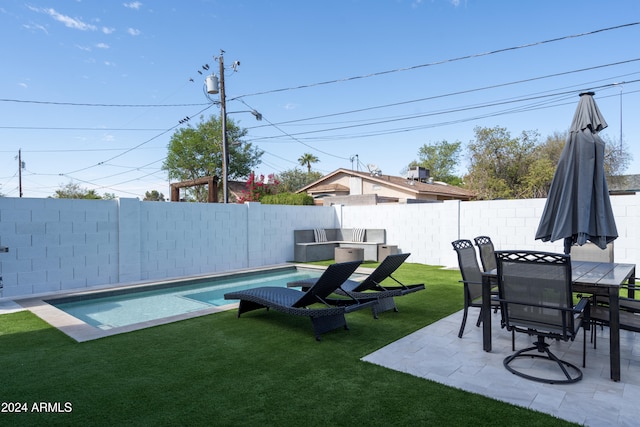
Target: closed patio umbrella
578	206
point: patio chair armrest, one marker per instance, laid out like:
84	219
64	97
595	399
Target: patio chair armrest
469	282
583	304
547	306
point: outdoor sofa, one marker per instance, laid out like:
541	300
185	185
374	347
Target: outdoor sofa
320	244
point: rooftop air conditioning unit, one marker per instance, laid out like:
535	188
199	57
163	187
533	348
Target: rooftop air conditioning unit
418	174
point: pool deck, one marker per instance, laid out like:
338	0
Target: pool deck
81	331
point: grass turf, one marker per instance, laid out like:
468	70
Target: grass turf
262	369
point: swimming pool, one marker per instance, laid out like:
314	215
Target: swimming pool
120	308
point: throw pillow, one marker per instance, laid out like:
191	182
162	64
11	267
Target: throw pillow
320	234
358	234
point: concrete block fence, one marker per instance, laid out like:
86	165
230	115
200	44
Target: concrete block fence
63	244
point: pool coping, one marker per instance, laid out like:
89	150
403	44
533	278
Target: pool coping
82	332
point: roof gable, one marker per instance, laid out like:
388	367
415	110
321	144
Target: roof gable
417	188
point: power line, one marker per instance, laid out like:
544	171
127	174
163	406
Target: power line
74	128
462	92
430	64
294	138
342	113
440	112
135	147
84	104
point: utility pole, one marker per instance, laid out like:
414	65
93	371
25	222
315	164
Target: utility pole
225	145
20	171
214	86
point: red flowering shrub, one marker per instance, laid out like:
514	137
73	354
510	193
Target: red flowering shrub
258	187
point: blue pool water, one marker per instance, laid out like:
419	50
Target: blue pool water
116	308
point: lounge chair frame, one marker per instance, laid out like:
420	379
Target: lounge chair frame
329	316
372	287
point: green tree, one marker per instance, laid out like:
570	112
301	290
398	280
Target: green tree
73	190
196	152
616	157
506	167
441	159
545	157
306	159
499	163
294	179
153	196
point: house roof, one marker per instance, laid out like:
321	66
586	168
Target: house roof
624	183
417	187
334	188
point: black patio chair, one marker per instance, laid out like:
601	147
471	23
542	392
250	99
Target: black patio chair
471	279
487	252
536	298
629	320
600	303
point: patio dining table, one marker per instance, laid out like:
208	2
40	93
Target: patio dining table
598	278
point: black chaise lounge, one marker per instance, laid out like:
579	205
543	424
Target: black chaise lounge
372	287
325	317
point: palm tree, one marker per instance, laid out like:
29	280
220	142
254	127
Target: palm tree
307	159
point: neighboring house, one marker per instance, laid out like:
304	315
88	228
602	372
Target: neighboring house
349	187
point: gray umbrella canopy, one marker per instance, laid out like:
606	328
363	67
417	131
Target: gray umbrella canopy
578	206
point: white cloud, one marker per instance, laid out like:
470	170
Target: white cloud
68	21
108	30
24	85
456	3
85	48
133	31
36	27
102	46
133	5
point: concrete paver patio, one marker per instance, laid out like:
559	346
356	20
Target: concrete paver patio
436	353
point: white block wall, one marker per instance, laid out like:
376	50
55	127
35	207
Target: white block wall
57	244
427	230
63	244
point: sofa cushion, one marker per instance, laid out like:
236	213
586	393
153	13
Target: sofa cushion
320	235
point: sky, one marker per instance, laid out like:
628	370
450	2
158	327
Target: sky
92	91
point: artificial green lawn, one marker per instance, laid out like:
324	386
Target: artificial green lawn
262	369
